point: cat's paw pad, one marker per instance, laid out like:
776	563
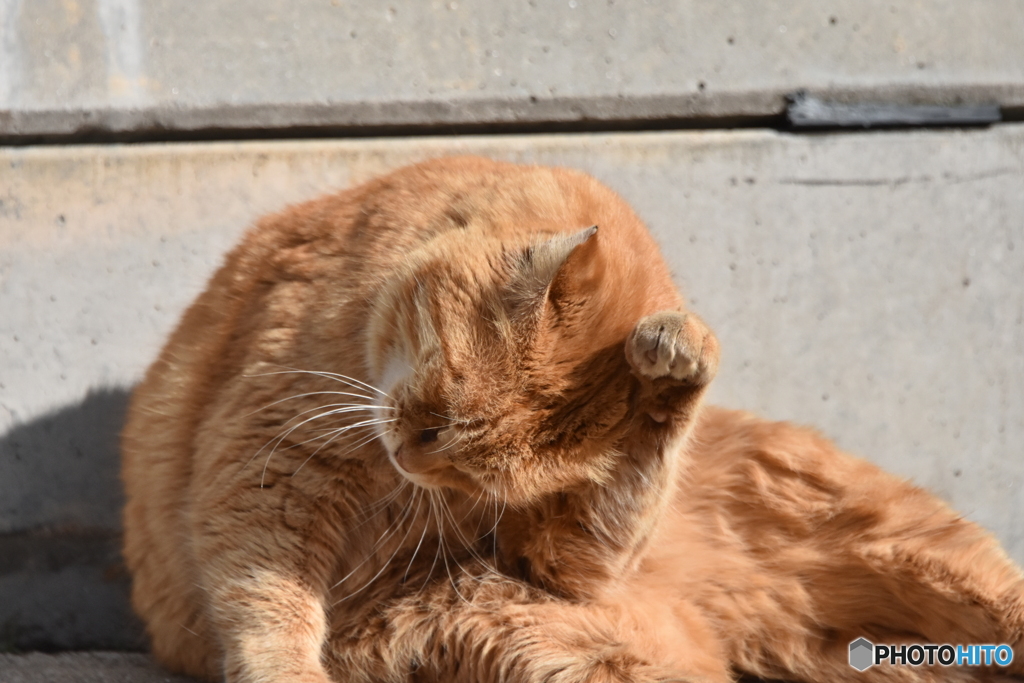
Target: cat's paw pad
673	344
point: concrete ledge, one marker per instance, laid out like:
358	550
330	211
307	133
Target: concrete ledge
869	284
147	67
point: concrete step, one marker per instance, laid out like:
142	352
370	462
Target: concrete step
148	67
868	284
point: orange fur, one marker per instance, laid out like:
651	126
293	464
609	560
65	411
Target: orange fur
436	427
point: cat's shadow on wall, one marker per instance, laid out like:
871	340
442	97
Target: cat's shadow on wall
62	469
62	580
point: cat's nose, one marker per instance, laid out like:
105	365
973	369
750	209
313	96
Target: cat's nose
411	461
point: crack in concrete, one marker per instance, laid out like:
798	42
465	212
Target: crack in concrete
952	178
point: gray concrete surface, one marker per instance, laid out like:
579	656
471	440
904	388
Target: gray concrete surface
98	667
868	284
70	66
84	667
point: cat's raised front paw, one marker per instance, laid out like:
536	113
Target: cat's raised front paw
673	344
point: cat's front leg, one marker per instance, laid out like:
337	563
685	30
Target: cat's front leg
271	626
673	345
493	629
263	556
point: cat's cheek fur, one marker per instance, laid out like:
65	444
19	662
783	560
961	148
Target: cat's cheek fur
397	369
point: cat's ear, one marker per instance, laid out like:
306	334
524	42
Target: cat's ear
536	267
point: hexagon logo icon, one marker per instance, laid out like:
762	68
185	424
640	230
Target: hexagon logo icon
862	654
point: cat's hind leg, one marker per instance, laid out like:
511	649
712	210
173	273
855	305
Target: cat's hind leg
832	548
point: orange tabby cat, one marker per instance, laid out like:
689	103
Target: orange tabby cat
447	426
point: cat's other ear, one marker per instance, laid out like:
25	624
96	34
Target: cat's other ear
535	268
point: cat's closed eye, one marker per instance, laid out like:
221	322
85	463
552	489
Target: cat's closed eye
430	435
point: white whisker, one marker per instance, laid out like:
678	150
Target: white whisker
281	437
433	516
476	501
494	534
344	379
465	541
382	503
416	551
340	431
292	429
362	443
188	629
444	553
504	503
388	533
457	440
386	564
451	420
337	409
325	431
322	393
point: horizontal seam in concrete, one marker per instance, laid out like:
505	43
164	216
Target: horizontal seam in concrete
89	136
97	135
408	119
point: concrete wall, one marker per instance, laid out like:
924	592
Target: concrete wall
141	65
869	283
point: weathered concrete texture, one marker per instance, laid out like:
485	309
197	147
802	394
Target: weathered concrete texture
127	65
867	284
84	667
